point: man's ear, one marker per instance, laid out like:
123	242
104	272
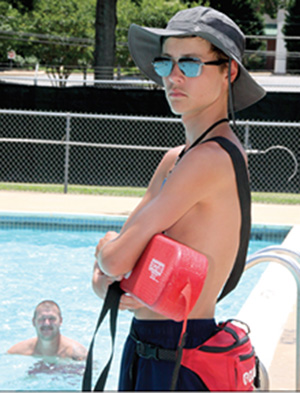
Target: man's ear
234	70
33	322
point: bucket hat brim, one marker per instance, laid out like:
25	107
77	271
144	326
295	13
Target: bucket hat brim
145	44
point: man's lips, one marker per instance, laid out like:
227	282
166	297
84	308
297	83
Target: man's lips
176	93
47	329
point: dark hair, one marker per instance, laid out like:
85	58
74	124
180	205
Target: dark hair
220	55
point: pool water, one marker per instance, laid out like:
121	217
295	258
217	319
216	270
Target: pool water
45	264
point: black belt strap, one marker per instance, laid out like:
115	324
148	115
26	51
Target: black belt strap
151	351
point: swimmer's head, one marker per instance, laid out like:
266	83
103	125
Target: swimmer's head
46	304
47	319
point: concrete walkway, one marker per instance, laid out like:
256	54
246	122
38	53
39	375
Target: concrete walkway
97	204
282	367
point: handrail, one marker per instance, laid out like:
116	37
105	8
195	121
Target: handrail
264	380
256	151
280	250
289	259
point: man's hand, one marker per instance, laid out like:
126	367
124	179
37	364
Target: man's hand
127	302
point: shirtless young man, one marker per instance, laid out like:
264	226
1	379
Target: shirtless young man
202	203
47	321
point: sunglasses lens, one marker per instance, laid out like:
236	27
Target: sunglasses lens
163	67
190	68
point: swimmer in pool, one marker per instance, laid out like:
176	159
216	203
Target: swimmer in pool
47	321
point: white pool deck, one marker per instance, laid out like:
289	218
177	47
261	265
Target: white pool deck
270	309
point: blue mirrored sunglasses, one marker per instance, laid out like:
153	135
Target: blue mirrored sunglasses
189	66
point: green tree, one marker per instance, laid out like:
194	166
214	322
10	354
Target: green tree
152	13
10	20
250	22
69	27
292	29
56	34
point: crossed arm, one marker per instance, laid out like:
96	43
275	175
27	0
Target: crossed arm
160	209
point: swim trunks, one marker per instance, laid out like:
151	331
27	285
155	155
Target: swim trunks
140	374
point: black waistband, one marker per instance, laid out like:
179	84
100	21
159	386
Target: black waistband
158	339
151	351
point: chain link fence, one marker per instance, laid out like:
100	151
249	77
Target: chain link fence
123	151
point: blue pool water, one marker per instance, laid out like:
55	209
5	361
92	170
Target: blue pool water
44	261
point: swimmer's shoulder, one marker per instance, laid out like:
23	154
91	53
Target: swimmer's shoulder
25	347
72	349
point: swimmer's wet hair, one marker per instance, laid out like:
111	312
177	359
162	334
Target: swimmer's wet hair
47	303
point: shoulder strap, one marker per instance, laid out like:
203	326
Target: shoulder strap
242	180
111	303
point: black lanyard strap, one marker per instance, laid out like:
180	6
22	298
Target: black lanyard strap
111	303
202	136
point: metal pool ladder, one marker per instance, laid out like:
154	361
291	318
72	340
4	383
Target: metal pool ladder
291	260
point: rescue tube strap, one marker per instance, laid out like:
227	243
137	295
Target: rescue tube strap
111	304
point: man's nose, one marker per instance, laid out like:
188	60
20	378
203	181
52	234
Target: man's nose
47	321
176	74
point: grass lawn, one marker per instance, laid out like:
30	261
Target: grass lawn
258	197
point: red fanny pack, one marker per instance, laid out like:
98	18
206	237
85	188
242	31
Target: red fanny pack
226	361
168	277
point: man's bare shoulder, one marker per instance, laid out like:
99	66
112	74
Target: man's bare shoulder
72	349
25	347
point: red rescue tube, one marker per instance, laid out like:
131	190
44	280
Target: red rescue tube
168	277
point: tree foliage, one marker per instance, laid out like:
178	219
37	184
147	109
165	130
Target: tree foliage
64	34
250	22
151	13
10	19
55	33
64	21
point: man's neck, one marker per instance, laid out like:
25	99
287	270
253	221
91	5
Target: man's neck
47	348
196	124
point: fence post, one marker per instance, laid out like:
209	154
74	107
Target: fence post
246	141
67	153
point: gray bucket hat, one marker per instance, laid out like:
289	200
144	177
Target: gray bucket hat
214	26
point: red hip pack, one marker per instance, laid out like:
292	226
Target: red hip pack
168	277
226	361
